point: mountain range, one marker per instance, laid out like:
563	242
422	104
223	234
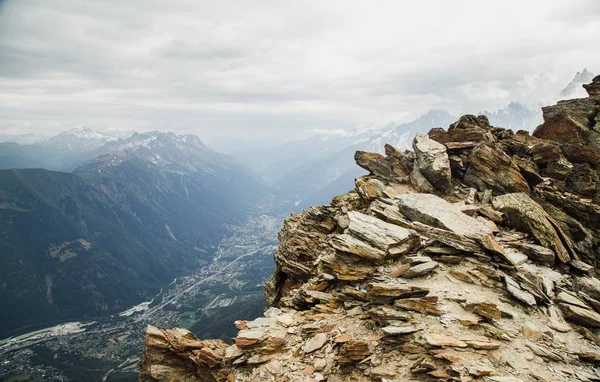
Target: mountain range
62	152
311	171
109	234
107	218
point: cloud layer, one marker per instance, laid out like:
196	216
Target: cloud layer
279	70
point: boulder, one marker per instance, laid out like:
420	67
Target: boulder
563	128
432	161
470	128
374	163
523	213
369	189
490	167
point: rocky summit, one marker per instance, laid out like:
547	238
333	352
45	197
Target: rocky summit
470	258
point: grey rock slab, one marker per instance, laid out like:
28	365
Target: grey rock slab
399	330
261	322
449	238
350	244
515	257
568	298
515	290
588	285
580	316
581	266
315	343
436	212
535	252
545	352
420	269
381	234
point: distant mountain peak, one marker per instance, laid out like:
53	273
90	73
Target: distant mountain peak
515	116
146	138
575	86
85	132
78	139
168	150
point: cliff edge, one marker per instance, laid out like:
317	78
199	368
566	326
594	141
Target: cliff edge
470	258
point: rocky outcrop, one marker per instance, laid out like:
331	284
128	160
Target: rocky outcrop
473	258
177	355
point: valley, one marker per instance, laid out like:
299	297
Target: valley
109	347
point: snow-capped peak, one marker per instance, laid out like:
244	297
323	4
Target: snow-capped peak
87	133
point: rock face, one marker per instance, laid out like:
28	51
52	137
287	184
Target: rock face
473	258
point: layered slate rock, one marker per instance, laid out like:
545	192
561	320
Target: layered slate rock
432	162
385	236
436	212
486	274
490	167
524	214
177	355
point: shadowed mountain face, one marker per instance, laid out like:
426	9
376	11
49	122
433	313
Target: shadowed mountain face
69	251
107	236
174	184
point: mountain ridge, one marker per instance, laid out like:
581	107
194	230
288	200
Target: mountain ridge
471	257
138	220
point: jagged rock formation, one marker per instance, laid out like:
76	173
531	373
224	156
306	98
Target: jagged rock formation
472	258
574	86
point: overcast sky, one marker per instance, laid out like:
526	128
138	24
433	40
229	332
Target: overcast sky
280	69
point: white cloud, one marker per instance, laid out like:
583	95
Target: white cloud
272	68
